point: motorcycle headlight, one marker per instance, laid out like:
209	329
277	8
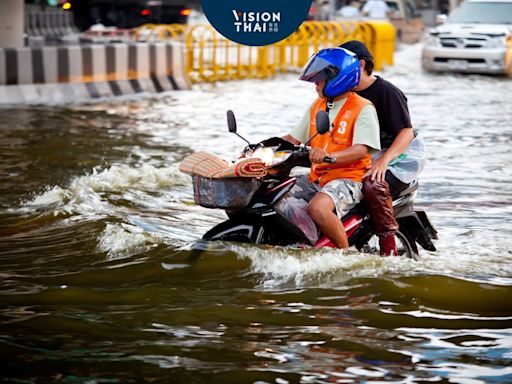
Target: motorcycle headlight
265	154
279	157
496	42
269	157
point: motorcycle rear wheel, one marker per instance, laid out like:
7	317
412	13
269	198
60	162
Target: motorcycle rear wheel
404	245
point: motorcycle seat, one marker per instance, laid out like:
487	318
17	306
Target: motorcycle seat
410	189
360	209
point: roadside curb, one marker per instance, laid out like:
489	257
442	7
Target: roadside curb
74	73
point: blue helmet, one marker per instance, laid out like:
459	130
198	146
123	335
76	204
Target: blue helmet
338	66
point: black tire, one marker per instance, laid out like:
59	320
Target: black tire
405	245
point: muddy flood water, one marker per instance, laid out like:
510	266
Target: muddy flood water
97	226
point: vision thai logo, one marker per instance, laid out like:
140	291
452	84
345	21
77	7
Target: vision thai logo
256	22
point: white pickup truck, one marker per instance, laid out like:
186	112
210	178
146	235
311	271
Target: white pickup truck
475	38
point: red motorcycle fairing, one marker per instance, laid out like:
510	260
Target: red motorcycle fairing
350	224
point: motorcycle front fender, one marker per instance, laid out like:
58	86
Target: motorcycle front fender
418	226
269	228
236	229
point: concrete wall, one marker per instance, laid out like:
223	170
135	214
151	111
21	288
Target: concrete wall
75	73
11	23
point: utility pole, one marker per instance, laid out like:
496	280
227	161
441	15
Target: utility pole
11	23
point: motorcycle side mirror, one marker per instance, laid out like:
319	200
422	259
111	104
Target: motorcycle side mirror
322	125
322	122
231	121
232	125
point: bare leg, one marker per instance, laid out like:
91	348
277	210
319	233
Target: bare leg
321	209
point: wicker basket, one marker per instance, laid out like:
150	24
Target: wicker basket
224	193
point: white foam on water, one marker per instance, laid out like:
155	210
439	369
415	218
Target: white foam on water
88	194
52	196
123	240
327	267
120	177
78	198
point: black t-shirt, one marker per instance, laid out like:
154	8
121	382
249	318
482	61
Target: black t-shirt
392	110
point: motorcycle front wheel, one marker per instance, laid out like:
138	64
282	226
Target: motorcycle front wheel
404	244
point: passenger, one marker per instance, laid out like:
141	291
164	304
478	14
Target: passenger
354	133
403	152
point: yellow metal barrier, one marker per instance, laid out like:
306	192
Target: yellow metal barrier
382	43
211	57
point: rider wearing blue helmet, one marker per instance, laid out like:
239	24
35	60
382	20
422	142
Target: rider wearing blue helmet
338	67
354	133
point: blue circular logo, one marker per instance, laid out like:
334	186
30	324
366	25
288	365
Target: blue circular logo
256	22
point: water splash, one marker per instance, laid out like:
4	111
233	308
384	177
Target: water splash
54	196
89	194
282	266
120	241
303	267
120	177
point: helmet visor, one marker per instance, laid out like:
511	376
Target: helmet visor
318	69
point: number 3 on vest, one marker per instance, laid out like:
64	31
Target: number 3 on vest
342	128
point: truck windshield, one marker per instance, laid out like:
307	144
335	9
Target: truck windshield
482	13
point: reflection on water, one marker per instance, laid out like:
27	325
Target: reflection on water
103	278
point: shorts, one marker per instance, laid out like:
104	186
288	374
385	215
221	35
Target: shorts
345	193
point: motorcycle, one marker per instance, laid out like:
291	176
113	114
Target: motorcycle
256	220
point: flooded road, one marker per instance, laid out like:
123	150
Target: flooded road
97	227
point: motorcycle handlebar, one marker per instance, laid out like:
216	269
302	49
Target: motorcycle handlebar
282	144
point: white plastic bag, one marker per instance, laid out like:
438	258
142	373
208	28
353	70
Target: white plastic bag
296	210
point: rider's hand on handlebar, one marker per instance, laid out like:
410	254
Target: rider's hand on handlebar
317	155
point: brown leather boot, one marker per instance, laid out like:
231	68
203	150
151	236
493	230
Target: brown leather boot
387	245
380	207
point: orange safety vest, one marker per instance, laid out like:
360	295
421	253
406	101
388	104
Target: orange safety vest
338	139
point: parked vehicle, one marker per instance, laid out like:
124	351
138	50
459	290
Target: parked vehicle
473	39
256	220
126	14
